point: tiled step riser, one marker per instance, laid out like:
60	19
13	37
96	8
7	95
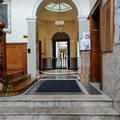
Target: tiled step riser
57	117
55	104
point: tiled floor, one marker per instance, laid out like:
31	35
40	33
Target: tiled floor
85	87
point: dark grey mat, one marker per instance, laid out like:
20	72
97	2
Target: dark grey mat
91	90
59	86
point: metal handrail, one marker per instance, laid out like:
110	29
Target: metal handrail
59	63
62	57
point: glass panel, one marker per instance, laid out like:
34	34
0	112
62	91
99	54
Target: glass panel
62	7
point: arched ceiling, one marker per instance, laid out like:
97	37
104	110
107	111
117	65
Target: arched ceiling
44	14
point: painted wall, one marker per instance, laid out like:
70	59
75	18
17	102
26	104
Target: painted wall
21	9
92	3
111	70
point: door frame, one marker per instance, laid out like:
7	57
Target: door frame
54	50
40	55
96	9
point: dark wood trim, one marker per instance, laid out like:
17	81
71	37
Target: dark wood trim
101	71
95	8
94	12
40	55
17	43
3	63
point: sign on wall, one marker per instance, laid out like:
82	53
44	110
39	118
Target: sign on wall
117	22
5	15
85	42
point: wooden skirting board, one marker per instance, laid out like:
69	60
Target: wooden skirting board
16	57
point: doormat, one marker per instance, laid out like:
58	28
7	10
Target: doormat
59	86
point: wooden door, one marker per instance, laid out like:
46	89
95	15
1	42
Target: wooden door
95	54
40	55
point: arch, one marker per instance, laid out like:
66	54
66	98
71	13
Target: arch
40	1
61	34
56	31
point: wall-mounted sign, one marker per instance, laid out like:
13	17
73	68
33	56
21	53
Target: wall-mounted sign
85	42
117	25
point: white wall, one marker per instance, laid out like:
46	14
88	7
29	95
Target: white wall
21	9
85	7
92	3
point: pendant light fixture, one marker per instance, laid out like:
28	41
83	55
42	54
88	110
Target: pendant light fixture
59	22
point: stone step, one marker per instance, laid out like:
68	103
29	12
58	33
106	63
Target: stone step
46	113
12	75
21	88
19	79
57	101
24	86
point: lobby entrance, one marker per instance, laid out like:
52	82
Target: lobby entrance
57	33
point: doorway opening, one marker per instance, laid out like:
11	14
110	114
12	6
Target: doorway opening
61	51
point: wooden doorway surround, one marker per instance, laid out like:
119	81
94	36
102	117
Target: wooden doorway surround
95	53
40	55
3	66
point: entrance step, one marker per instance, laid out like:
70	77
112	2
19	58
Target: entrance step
19	79
58	107
18	83
63	101
12	75
22	86
46	113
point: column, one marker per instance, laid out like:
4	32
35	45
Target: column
79	59
31	55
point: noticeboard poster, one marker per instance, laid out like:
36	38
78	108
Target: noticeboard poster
117	25
85	42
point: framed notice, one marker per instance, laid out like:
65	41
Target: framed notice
85	42
117	26
5	15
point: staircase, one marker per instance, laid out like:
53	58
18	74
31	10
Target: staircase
58	107
18	82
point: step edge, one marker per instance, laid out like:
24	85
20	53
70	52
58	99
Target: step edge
70	114
55	101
